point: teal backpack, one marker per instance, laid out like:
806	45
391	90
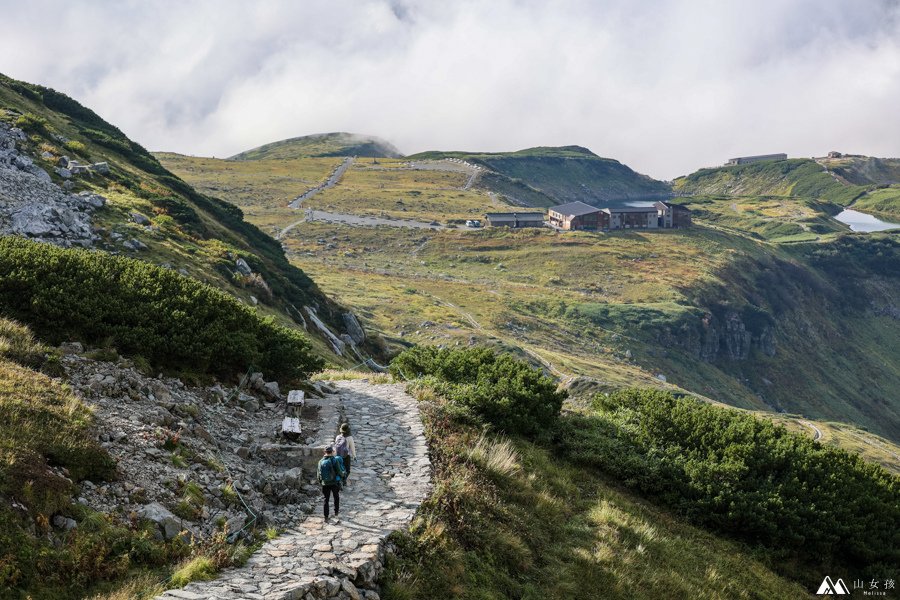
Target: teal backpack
328	471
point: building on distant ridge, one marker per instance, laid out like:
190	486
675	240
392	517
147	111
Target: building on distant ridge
578	215
744	160
516	220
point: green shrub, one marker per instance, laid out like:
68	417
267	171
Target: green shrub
32	123
507	393
75	146
744	476
170	320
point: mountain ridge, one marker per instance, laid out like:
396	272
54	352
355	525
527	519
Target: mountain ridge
323	145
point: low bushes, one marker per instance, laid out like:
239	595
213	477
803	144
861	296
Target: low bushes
507	393
172	321
805	503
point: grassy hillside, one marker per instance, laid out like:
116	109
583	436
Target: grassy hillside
261	187
537	513
515	519
623	308
563	174
323	145
864	170
389	188
824	185
800	177
188	231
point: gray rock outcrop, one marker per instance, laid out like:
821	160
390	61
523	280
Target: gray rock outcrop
354	329
31	205
726	337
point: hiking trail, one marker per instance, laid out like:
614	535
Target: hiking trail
344	558
332	180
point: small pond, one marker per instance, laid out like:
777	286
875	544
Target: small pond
862	222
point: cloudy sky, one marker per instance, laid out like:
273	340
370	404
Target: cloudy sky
664	86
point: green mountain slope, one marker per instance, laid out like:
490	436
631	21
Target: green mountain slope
804	178
864	170
868	184
556	175
703	306
323	144
169	222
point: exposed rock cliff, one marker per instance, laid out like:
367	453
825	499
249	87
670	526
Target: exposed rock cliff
725	336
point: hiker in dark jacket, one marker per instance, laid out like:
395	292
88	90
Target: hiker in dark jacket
330	472
345	448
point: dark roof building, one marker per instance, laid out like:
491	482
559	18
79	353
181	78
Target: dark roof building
633	217
576	215
515	219
574	209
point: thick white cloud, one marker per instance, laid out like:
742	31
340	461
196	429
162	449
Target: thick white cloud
666	87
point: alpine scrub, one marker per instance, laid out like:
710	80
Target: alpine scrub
141	309
808	505
503	391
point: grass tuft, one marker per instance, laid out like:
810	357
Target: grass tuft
200	568
497	456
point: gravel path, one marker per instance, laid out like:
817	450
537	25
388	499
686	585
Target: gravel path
330	182
344	558
346	219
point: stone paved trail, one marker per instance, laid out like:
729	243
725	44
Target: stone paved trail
343	559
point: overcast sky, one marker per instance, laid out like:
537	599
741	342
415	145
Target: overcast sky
664	86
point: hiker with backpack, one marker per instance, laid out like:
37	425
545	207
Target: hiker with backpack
330	473
345	448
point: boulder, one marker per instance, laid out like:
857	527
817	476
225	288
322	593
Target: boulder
101	167
139	218
61	522
169	524
350	589
354	329
71	348
293	477
242	267
236	522
272	390
92	200
134	245
64	173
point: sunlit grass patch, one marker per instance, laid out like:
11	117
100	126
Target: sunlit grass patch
496	455
200	568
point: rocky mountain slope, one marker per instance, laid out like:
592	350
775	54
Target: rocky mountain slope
70	178
323	145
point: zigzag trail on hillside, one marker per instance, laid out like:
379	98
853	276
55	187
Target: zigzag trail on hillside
472	171
343	558
332	180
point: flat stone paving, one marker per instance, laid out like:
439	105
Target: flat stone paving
314	559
